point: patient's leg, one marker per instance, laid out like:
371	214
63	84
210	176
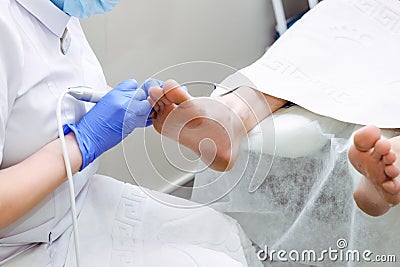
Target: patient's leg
376	159
211	127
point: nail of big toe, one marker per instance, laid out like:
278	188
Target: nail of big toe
366	137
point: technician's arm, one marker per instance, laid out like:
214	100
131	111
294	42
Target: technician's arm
26	184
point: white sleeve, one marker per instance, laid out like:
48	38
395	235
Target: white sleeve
340	60
11	61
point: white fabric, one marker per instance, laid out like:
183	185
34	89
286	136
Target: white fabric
50	15
118	223
340	60
136	229
124	225
34	72
44	73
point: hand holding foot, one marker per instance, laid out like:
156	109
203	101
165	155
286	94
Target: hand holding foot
376	159
207	126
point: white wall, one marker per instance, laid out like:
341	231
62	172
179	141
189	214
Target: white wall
140	38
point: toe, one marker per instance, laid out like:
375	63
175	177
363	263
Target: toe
175	93
156	93
366	137
389	158
392	171
392	187
382	147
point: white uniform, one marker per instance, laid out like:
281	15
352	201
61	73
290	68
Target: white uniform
34	72
120	225
292	185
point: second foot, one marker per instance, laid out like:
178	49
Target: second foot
376	159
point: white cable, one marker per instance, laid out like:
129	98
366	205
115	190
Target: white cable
89	95
280	16
312	3
70	180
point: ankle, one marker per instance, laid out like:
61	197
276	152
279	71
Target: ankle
248	105
241	113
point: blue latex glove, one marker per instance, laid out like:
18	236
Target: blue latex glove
146	85
114	117
151	82
85	8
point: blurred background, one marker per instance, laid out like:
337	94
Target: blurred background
157	38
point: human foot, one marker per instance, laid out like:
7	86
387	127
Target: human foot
207	126
376	159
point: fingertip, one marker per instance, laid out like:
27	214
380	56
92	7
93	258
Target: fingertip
128	84
151	82
140	94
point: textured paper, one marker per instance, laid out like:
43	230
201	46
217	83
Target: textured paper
341	60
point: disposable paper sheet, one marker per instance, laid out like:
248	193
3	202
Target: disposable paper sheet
341	60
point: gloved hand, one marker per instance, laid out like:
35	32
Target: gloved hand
151	82
146	85
115	116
